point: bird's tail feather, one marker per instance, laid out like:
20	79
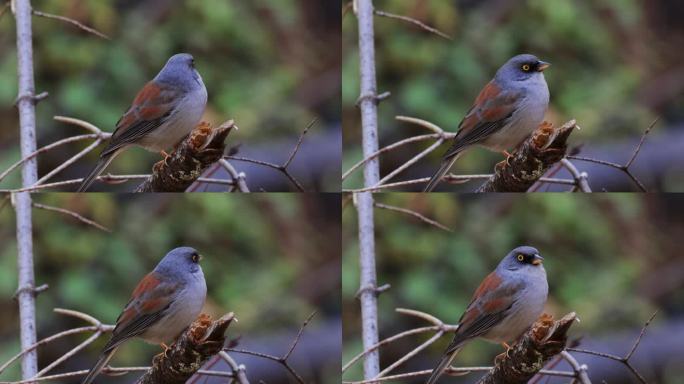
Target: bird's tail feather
104	359
444	363
443	169
102	163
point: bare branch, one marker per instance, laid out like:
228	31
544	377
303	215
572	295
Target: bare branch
108	178
72	22
238	370
544	340
299	143
438	326
413	21
197	152
74	215
533	158
580	370
283	168
26	104
239	178
282	360
580	177
414	214
202	340
624	360
624	168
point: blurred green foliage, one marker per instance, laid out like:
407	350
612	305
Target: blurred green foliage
597	249
260	255
616	65
267	65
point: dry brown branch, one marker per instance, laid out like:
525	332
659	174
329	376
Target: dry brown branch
414	214
624	360
282	168
534	157
202	340
528	356
177	173
545	339
197	152
74	215
438	326
108	178
98	328
72	22
413	21
624	168
282	360
528	163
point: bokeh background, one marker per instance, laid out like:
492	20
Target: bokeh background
272	66
272	260
617	65
614	260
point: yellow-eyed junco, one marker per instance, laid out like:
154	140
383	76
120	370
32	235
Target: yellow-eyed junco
165	110
163	304
507	110
504	306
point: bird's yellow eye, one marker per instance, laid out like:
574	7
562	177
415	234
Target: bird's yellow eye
521	257
196	258
525	67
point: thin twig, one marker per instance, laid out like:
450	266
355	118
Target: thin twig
282	360
580	369
283	168
299	334
108	178
72	22
413	21
238	178
626	167
238	369
45	149
580	177
624	360
74	215
294	151
414	214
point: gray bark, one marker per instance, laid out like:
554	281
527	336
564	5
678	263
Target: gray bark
22	201
371	173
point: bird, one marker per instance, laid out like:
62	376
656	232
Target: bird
165	110
504	306
507	110
162	305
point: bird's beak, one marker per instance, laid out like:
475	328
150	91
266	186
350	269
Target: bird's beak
537	259
542	65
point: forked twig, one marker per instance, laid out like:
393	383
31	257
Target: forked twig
283	168
282	360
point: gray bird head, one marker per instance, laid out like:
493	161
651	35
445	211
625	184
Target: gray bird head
180	71
181	261
521	68
521	258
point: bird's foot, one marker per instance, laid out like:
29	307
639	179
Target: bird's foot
501	356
